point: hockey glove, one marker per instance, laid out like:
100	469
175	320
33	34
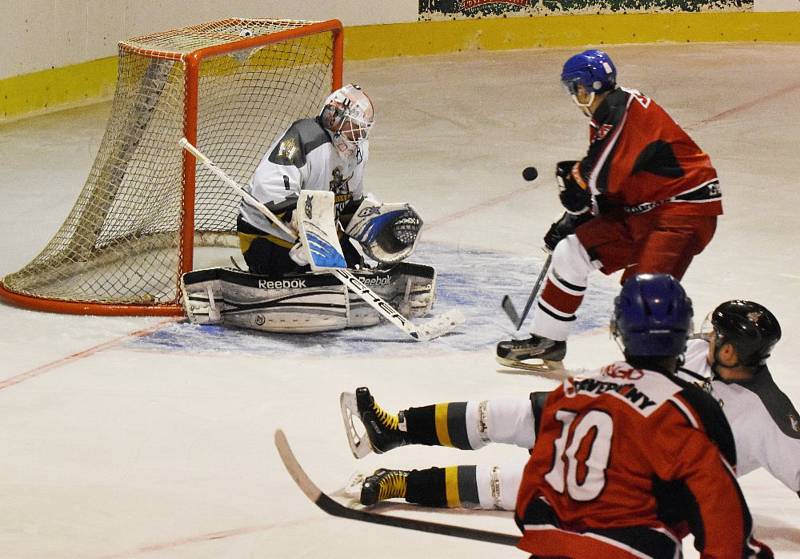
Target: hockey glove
566	225
575	198
406	227
387	232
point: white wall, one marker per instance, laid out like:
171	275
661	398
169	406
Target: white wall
40	34
776	6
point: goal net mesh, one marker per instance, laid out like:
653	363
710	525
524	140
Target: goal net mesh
121	243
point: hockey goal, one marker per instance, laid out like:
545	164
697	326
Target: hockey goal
229	87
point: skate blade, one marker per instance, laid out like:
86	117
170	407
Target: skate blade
543	367
358	440
350	494
353	487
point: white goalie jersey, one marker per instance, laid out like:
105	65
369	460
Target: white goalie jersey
304	158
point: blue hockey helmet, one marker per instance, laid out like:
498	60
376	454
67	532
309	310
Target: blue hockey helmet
593	69
652	316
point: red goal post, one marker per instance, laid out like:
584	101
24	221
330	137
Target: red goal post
228	86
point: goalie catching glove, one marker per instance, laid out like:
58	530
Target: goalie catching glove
388	233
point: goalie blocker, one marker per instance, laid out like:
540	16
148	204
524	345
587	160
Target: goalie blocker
302	303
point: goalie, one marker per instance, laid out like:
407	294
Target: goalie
311	178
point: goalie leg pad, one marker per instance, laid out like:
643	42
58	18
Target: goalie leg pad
303	303
202	296
299	303
410	288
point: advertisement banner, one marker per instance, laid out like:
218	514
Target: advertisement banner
456	9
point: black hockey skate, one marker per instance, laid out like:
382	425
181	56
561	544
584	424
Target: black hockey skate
384	431
547	353
383	484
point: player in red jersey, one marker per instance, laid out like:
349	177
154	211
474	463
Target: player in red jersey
621	460
616	452
644	199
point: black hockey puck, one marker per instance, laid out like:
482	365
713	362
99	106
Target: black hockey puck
530	173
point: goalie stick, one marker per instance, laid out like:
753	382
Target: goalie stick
508	305
433	328
334	508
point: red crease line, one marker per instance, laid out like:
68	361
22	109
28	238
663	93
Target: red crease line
41	369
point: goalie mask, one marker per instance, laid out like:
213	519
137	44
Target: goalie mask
348	115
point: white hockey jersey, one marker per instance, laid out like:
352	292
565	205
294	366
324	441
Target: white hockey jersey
303	158
765	424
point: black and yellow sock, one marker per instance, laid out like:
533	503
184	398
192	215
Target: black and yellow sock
438	425
451	487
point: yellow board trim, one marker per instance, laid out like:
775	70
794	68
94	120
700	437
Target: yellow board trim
80	84
57	88
451	486
440	418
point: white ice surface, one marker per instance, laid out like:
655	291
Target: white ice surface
118	443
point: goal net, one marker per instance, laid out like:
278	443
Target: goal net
229	87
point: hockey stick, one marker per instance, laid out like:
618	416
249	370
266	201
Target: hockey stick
508	305
333	508
432	329
544	371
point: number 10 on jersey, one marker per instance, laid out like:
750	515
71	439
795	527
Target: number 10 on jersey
580	463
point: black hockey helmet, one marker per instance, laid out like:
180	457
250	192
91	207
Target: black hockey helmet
749	327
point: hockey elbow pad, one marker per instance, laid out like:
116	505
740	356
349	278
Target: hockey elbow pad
574	197
388	233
